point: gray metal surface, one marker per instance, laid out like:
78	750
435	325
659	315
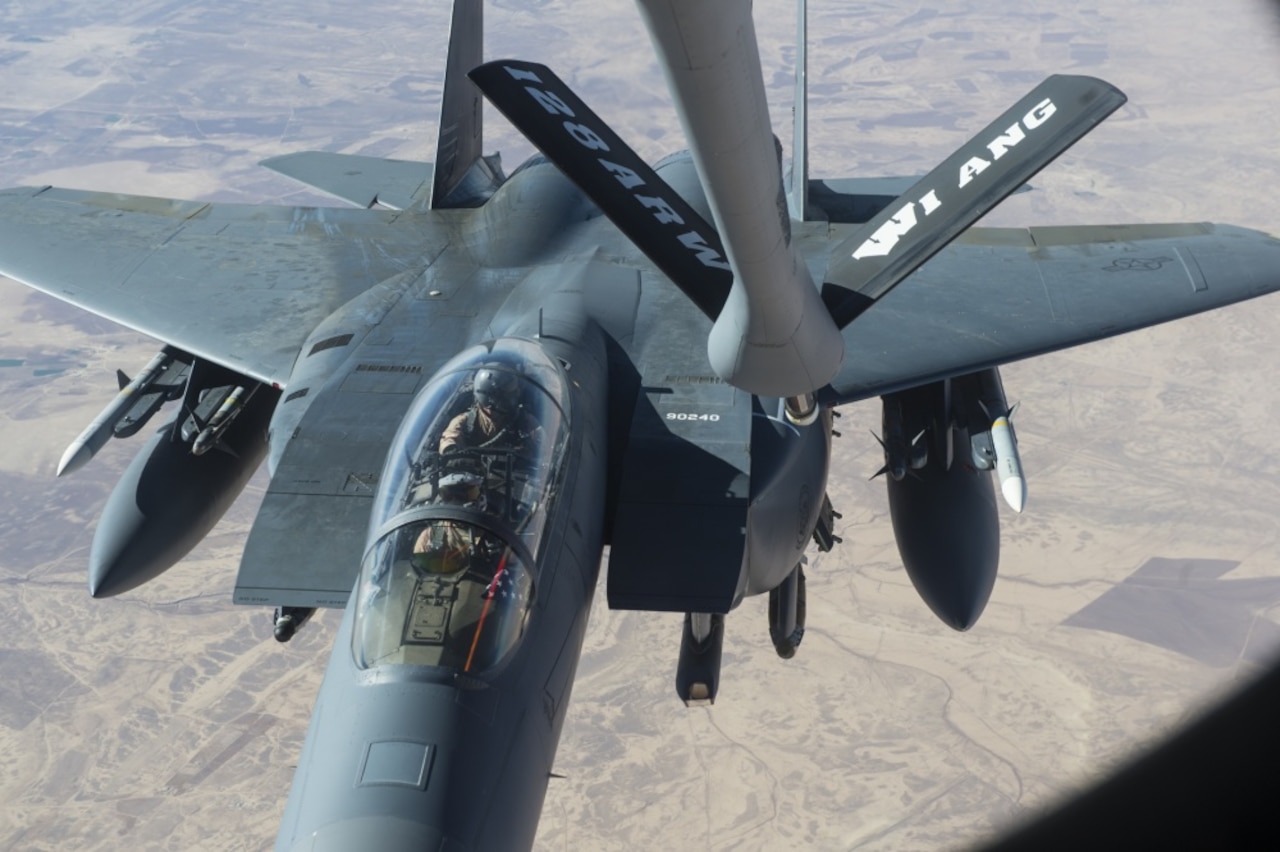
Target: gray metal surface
996	296
350	312
460	132
362	181
238	285
964	187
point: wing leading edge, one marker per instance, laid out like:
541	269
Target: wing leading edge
962	188
998	295
238	285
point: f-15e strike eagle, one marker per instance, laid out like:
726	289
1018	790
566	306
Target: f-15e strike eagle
468	386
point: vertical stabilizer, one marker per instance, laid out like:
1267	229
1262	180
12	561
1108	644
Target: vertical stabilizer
461	136
800	119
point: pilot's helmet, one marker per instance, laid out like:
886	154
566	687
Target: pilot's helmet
497	392
460	489
440	547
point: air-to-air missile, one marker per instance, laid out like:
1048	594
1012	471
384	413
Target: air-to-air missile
169	498
994	443
900	454
224	416
172	493
1013	485
163	379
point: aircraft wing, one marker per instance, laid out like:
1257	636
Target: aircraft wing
997	295
238	285
362	181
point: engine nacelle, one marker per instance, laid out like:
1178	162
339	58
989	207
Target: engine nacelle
789	467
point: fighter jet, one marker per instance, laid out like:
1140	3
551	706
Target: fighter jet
472	382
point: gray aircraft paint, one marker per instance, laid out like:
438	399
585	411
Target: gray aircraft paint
349	313
774	337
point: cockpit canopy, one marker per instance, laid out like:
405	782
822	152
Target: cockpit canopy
496	413
441	593
461	510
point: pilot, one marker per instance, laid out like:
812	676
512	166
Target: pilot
445	546
495	419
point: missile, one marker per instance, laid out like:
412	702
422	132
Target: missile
918	451
167	500
1013	485
698	667
98	432
899	453
994	443
221	419
894	463
894	442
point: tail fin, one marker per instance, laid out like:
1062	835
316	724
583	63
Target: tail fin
962	189
461	176
644	207
800	119
459	145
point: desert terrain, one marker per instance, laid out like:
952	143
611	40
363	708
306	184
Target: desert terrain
1141	584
